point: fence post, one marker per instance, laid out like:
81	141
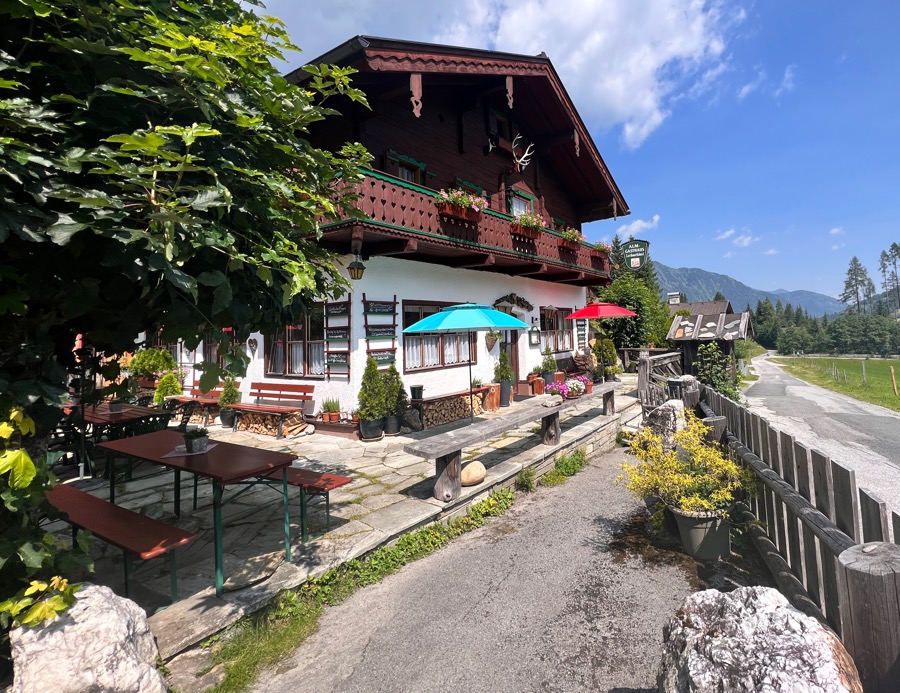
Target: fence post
872	582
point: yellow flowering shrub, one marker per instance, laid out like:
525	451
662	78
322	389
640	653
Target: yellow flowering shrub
696	476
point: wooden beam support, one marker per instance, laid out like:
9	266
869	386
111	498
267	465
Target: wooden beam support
401	246
478	260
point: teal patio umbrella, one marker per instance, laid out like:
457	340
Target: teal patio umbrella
466	317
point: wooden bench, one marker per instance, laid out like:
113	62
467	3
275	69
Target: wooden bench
136	534
312	484
567	365
277	399
446	448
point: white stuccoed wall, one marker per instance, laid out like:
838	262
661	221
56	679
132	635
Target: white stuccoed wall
384	277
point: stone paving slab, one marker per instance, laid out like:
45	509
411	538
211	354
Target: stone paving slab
393	497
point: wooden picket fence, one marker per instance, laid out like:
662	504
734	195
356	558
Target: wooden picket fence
653	375
827	541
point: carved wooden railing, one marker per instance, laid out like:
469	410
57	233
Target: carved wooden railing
392	202
653	375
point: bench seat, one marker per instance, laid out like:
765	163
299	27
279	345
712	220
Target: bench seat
136	534
446	448
311	484
276	399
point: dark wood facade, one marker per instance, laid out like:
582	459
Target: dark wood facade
444	117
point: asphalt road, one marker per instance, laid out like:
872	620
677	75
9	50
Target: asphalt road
534	601
861	436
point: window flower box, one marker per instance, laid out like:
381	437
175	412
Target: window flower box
570	239
525	231
600	250
568	243
448	209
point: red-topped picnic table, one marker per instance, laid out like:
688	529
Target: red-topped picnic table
101	415
225	464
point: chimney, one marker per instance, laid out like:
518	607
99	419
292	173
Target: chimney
673	297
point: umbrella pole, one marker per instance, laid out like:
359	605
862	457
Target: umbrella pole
602	362
471	399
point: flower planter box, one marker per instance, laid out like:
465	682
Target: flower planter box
453	211
566	244
525	231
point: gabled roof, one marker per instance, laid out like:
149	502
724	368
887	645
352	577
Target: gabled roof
534	92
704	328
702	307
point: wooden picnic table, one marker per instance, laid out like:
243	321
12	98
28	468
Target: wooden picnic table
225	464
446	448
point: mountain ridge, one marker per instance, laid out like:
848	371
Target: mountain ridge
701	285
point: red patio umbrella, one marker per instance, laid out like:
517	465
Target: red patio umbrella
601	311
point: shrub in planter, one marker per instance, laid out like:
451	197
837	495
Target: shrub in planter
168	386
548	366
331	410
372	402
230	395
694	479
503	374
396	400
196	440
149	363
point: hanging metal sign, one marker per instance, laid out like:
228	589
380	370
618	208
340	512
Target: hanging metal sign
635	254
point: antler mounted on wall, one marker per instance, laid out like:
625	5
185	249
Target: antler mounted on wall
525	159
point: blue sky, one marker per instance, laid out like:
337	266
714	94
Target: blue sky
759	140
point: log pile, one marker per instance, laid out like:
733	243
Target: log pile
440	411
267	424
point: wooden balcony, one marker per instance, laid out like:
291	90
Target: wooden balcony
403	220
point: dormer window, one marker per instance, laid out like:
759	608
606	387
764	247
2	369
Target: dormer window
405	167
519	202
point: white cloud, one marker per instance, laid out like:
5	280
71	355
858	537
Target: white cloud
637	226
625	64
752	86
729	254
787	82
725	234
838	246
837	231
771	251
745	240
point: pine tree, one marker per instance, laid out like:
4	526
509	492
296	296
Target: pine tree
855	284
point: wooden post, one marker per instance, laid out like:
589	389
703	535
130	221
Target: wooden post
872	583
447	483
717	426
865	382
550	431
894	381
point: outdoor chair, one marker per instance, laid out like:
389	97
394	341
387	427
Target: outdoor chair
68	439
187	409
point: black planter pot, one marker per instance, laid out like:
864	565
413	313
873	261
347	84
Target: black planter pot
371	430
391	425
548	377
505	387
226	417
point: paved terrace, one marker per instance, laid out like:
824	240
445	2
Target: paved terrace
391	494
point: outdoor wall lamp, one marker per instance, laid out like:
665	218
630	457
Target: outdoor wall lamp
253	345
356	269
534	333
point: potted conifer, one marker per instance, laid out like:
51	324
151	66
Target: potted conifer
371	402
396	400
230	395
503	374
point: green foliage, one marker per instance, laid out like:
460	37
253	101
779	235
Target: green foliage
151	363
230	392
571	463
716	370
396	399
157	172
372	396
553	478
652	321
694	475
193	433
331	406
605	353
503	371
168	386
548	364
747	349
525	480
32	563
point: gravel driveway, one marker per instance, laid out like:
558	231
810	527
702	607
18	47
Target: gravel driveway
536	600
860	436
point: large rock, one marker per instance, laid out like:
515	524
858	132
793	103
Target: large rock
751	640
666	420
472	474
102	644
412	420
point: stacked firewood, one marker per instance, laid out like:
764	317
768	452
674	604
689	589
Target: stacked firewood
267	424
441	411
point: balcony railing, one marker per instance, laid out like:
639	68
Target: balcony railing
392	202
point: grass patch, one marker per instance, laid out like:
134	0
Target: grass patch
565	466
846	376
525	480
261	640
